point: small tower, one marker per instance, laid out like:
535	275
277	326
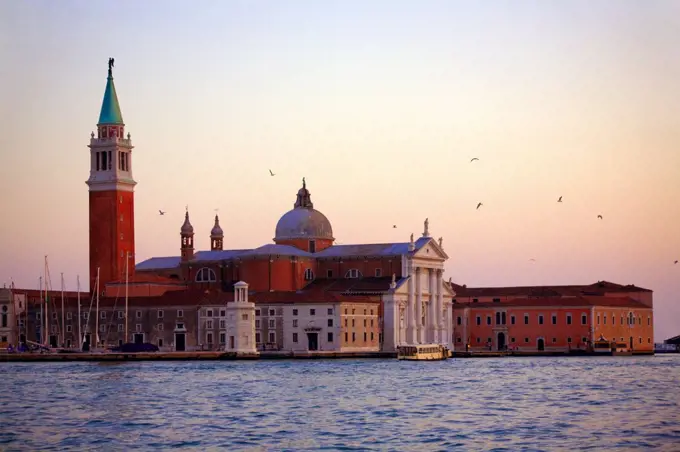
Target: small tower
216	236
187	234
111	193
241	322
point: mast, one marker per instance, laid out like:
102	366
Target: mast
47	313
96	334
127	262
80	337
63	320
42	317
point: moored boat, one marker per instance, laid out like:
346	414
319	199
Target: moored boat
422	352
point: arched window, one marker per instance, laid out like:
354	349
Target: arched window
205	275
353	273
631	319
309	274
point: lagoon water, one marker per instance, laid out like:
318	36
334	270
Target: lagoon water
604	403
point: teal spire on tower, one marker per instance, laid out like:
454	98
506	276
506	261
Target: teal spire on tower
110	113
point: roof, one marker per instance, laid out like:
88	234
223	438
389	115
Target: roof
110	113
270	249
147	278
372	249
369	285
159	263
599	287
550	301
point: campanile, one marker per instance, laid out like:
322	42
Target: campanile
111	192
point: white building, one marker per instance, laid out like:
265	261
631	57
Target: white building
241	322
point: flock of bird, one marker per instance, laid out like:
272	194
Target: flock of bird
394	226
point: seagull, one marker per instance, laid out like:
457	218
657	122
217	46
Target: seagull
533	260
479	205
270	172
559	200
599	216
394	226
161	212
474	159
675	262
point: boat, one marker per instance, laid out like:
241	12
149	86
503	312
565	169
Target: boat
422	352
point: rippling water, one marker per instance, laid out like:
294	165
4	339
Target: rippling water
615	403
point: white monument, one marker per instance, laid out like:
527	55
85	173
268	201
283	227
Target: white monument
241	322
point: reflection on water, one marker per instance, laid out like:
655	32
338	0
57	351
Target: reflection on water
623	403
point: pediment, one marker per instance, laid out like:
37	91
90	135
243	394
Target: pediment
430	250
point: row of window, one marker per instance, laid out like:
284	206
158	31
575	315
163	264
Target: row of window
102	315
206	274
629	319
501	319
554	340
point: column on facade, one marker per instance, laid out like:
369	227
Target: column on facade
410	308
440	307
432	308
419	306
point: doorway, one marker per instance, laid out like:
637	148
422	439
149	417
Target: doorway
53	341
501	342
312	341
541	345
231	342
138	338
180	343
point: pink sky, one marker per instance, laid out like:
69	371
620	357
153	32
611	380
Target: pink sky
380	107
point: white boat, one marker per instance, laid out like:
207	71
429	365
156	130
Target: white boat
422	352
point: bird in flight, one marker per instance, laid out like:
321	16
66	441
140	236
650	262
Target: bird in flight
599	216
479	205
394	226
675	262
559	200
270	172
475	158
532	260
161	212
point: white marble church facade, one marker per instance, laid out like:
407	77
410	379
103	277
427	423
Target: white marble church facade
417	308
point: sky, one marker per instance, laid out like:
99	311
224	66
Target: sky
380	105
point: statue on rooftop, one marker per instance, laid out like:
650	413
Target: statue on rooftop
426	232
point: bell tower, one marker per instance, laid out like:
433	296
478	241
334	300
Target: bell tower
111	193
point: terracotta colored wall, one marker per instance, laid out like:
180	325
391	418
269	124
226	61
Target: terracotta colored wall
107	249
140	290
367	267
303	244
520	332
642	331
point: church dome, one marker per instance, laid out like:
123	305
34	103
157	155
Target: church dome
216	231
303	222
187	228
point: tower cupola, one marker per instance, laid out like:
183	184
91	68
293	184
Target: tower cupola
216	236
187	235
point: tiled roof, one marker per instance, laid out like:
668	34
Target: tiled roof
542	291
578	301
372	249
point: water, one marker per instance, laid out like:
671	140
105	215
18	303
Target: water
608	403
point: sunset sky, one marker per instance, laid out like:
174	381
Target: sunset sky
380	105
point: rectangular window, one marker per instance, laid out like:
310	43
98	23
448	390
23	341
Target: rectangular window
568	319
329	274
330	322
330	337
272	323
459	320
244	316
598	319
209	338
223	338
604	319
312	246
649	320
121	314
223	312
160	313
312	312
121	328
209	312
554	319
365	337
295	312
526	319
353	322
540	320
209	324
378	272
258	338
526	340
512	320
584	319
364	323
98	161
569	340
295	337
346	337
272	312
479	320
295	323
257	312
138	327
180	326
345	322
139	314
68	316
554	340
272	337
498	318
160	327
372	336
257	323
371	322
102	315
223	324
354	337
330	311
69	328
